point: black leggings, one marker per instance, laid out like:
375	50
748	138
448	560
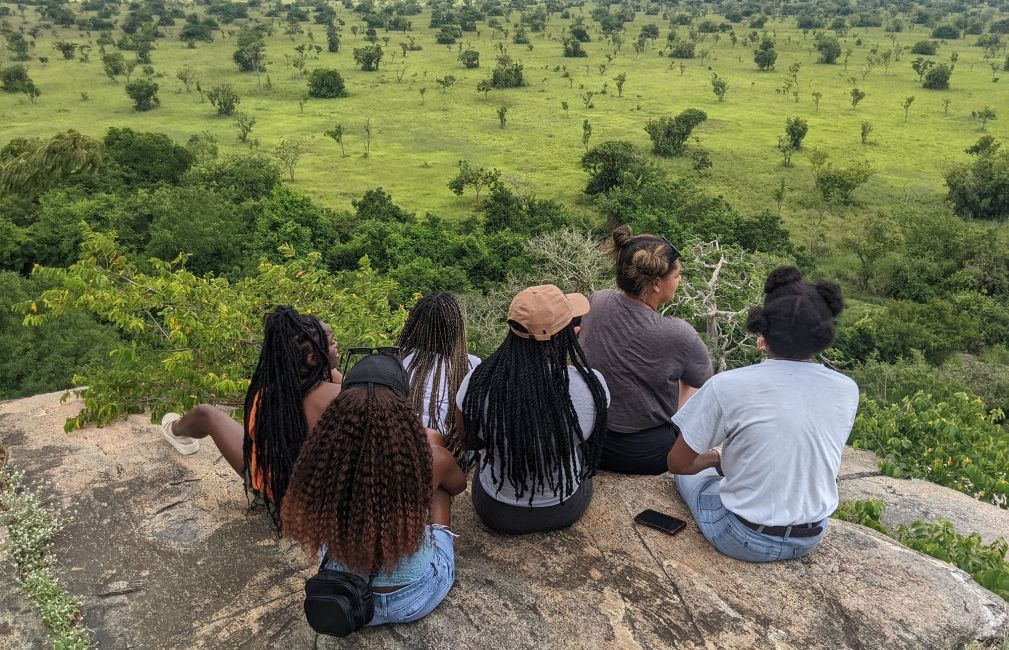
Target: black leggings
639	452
518	520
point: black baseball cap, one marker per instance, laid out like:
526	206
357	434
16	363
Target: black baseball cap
381	370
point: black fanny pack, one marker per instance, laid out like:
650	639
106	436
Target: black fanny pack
338	603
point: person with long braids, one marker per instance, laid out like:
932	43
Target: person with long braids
782	425
652	362
433	344
372	491
538	413
294	382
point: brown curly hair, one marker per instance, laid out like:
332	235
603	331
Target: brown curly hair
362	484
641	260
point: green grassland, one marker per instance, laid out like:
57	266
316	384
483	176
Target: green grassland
417	144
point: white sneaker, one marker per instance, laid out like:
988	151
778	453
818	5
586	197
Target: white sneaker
182	444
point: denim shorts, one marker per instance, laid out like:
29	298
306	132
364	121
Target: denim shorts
418	599
727	534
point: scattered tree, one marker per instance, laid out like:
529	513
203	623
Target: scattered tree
476	177
484	86
620	80
817	96
337	134
326	83
244	122
144	94
906	105
866	130
985	115
921	65
114	65
586	134
719	86
66	48
829	49
937	77
765	55
224	98
368	57
470	58
445	82
856	96
366	127
502	115
289	151
669	134
189	76
786	148
796	129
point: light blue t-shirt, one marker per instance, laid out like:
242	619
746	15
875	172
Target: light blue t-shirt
783	425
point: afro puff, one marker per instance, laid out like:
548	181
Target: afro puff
797	319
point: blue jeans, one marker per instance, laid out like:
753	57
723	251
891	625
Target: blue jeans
419	599
726	533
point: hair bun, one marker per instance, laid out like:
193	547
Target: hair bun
756	321
831	294
780	277
622	236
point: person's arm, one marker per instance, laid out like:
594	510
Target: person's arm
684	460
685	392
446	474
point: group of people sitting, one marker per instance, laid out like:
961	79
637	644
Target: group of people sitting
362	468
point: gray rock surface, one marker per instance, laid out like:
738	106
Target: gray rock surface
20	626
910	500
165	553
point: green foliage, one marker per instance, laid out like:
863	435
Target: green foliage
240	178
326	83
114	65
957	443
368	57
836	184
507	74
143	158
765	55
573	48
937	77
224	98
669	134
946	32
251	53
194	339
144	94
31	526
607	163
796	129
985	563
979	189
829	48
29	167
15	78
470	59
925	47
719	86
476	177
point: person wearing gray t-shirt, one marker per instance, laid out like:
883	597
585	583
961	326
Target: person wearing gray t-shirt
646	357
782	425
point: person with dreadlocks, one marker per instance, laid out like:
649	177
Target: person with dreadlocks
433	344
653	362
538	412
373	494
782	425
294	382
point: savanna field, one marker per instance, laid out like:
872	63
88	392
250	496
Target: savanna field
144	272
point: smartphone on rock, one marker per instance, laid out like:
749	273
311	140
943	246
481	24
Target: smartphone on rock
659	521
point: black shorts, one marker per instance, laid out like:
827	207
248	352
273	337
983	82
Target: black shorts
638	452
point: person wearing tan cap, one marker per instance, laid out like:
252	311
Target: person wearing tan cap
537	412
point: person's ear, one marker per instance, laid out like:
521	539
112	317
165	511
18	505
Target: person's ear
311	359
761	343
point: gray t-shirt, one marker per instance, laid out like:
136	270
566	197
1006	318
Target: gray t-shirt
784	425
585	407
643	355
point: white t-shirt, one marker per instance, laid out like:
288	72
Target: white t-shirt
784	425
442	397
585	407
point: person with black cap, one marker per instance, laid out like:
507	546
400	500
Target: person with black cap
782	425
373	494
537	411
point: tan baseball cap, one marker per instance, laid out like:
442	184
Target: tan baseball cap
545	310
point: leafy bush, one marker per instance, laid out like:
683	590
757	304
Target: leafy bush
765	55
224	98
185	348
326	83
507	74
957	443
368	57
980	189
937	77
946	32
829	48
682	49
470	59
144	94
796	129
985	563
925	47
573	48
669	134
15	78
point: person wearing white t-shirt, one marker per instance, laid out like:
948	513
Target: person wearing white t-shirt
782	425
433	344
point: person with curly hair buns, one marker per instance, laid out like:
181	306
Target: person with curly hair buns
782	425
537	412
372	491
294	382
652	363
433	344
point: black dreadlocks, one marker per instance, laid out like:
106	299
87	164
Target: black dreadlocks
518	406
277	391
436	335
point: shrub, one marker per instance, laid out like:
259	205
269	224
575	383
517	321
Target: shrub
796	129
957	443
224	98
15	78
681	49
326	83
765	55
669	134
946	32
507	74
573	48
829	48
144	94
368	57
980	189
925	47
607	163
470	59
448	34
937	77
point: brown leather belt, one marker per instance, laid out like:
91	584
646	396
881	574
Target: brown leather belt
799	530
